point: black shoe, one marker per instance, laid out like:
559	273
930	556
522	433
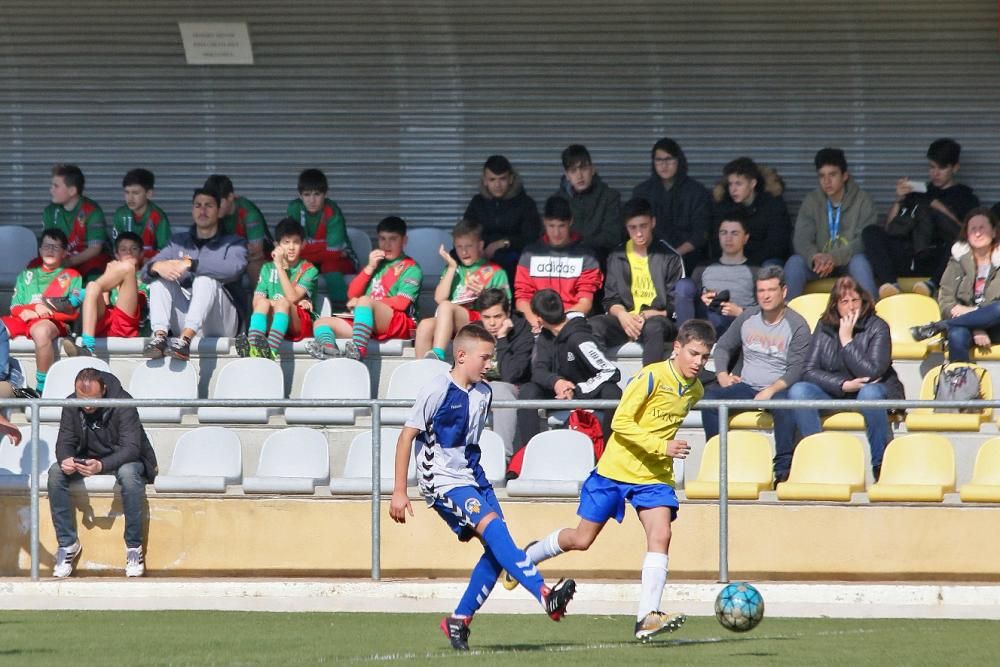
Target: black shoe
156	347
73	349
877	471
179	349
556	599
457	630
780	477
925	331
25	392
59	304
242	345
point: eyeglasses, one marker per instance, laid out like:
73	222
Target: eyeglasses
53	247
664	160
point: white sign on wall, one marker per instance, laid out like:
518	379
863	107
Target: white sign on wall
216	43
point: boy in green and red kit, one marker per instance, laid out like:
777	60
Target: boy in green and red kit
240	216
326	242
140	214
79	218
285	293
383	299
42	306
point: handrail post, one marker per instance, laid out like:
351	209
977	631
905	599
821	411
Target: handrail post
724	494
34	491
376	491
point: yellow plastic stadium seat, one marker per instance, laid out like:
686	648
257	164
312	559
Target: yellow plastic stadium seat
992	353
749	456
810	306
925	419
906	284
752	419
985	484
843	421
825	466
919	467
822	286
903	311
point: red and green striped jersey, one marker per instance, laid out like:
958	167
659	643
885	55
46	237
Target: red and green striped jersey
143	292
33	284
82	225
153	227
488	274
400	277
326	226
246	220
304	273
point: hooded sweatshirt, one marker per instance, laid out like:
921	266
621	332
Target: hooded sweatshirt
683	212
573	355
596	214
513	217
768	222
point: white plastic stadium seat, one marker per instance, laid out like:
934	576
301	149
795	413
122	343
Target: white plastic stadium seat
59	383
357	478
333	378
422	245
164	378
18	246
15	462
361	242
205	460
406	381
293	460
393	347
494	458
248	378
555	464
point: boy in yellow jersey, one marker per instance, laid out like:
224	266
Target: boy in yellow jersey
637	467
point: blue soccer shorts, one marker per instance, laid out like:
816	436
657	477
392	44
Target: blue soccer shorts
463	507
602	498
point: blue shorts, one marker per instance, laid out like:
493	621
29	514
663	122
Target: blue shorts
464	507
602	498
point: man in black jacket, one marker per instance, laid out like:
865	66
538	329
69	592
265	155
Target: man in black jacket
638	290
100	441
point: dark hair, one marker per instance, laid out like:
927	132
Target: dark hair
696	330
54	234
498	164
88	375
745	167
635	207
208	192
833	157
392	224
473	331
144	178
129	236
222	185
288	227
734	214
313	180
844	285
944	152
72	176
548	305
963	233
467	227
576	154
491	297
674	149
770	273
557	208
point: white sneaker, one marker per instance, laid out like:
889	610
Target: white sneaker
135	565
66	558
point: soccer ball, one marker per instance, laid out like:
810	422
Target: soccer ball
739	607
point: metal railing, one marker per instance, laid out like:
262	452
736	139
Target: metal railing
376	405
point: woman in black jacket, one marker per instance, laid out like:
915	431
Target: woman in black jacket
850	357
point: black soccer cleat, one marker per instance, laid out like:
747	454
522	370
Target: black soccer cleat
556	599
457	631
59	304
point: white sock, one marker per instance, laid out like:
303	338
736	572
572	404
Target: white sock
654	578
545	548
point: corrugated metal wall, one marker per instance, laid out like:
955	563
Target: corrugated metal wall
400	101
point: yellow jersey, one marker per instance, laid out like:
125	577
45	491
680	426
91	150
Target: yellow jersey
651	410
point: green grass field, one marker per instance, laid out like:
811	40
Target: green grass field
231	638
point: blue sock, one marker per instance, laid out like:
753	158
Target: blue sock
258	324
88	341
324	336
516	562
438	352
364	327
40	381
75	300
279	326
482	580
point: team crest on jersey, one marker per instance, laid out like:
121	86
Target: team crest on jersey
63	280
472	506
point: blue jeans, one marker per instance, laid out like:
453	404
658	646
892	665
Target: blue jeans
960	329
131	478
784	423
798	272
877	426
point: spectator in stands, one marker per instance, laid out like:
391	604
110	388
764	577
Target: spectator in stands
759	357
383	299
80	218
558	261
755	193
567	363
681	205
285	294
11	375
140	214
639	289
721	291
327	245
100	441
508	215
827	239
115	304
850	357
43	302
922	224
458	289
596	207
240	216
194	283
512	360
970	289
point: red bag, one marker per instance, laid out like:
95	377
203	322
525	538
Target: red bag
583	421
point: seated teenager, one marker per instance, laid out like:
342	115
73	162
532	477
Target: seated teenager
595	206
754	193
850	357
383	299
970	289
114	305
140	214
80	218
638	291
456	292
284	294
